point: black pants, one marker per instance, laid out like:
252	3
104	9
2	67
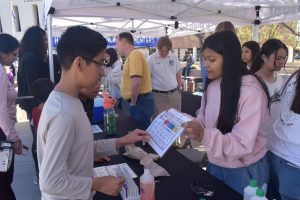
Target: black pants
33	147
33	150
6	178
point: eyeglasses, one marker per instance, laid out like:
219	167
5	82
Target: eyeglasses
204	190
100	65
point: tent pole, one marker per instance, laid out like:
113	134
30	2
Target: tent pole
195	54
255	33
50	48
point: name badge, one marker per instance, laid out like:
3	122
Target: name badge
171	63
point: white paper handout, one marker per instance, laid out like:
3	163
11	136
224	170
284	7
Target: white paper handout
96	129
165	129
111	170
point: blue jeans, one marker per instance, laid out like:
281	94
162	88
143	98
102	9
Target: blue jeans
284	180
239	178
143	111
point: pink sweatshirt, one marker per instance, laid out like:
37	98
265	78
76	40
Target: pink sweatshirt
247	142
8	97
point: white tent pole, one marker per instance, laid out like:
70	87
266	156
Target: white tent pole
132	24
255	28
255	33
50	49
195	54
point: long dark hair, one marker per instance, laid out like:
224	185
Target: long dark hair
8	43
227	44
33	41
113	56
254	48
295	107
268	48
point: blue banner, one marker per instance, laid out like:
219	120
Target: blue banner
138	42
55	41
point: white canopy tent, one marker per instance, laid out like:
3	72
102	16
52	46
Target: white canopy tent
140	27
153	17
204	11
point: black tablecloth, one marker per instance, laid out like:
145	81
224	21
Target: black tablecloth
182	171
190	103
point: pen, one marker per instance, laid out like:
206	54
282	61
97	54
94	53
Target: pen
126	189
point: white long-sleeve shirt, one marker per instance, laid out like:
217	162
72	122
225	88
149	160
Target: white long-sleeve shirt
113	79
65	149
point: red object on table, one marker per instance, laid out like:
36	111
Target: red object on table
109	101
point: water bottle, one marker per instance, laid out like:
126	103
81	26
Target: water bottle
250	190
185	85
109	121
147	186
260	195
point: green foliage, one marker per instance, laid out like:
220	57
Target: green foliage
266	32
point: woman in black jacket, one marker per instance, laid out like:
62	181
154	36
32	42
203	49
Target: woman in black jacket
32	66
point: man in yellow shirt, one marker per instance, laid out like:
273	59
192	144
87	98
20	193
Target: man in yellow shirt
136	87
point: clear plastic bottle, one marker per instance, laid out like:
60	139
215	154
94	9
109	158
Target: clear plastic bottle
147	186
185	85
260	195
250	190
110	121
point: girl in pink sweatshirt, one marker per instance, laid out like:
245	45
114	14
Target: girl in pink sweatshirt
233	115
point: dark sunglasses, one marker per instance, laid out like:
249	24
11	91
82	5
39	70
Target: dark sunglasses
204	190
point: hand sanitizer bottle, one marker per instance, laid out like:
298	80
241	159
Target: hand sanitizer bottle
250	190
260	195
147	186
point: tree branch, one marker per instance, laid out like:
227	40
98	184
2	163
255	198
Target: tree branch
290	29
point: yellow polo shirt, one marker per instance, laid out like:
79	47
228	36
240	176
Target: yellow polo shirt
135	65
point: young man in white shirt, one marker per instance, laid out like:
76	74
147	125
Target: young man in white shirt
166	76
65	145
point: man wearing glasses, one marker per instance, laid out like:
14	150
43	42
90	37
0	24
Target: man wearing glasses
136	87
65	145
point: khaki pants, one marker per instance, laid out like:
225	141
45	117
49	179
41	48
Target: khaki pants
164	101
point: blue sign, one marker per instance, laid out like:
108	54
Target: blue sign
138	42
55	41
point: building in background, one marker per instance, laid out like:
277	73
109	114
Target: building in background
16	16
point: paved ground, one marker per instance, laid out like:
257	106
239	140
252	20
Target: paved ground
24	169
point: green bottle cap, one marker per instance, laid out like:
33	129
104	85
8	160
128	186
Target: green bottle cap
260	192
253	183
